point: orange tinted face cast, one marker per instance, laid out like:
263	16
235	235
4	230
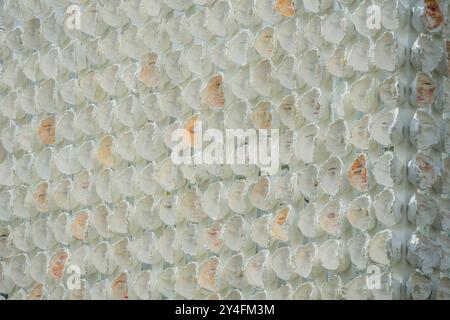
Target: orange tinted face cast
36	292
286	8
46	130
213	94
278	227
358	174
425	90
79	225
149	73
119	286
282	215
104	152
57	264
434	18
191	127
